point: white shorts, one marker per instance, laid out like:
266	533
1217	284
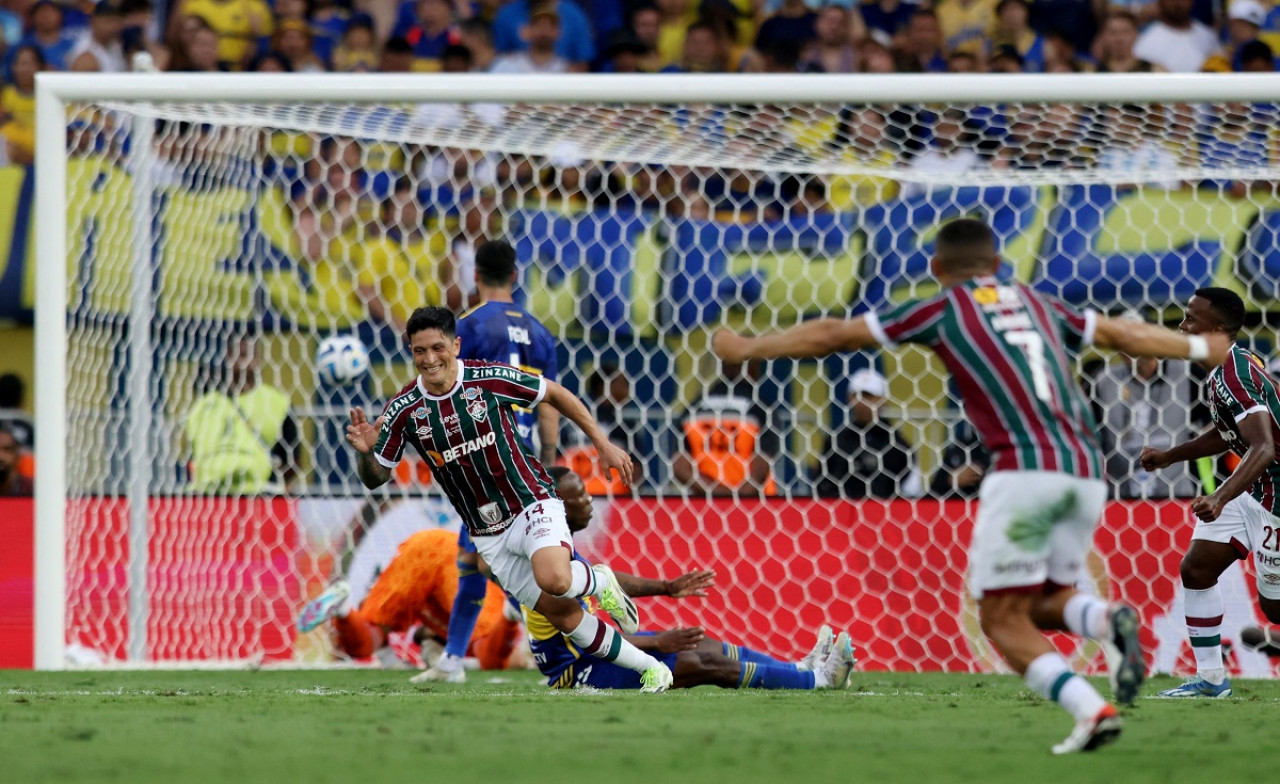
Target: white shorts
1033	527
541	525
1249	528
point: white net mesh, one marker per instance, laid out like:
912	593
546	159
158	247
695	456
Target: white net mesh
638	228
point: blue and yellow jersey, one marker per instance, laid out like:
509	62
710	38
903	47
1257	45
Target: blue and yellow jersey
505	332
553	652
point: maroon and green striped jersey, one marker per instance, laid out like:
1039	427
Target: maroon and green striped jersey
470	440
1238	388
1007	346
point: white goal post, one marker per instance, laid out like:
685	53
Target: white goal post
166	95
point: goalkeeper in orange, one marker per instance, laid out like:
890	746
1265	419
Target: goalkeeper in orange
417	587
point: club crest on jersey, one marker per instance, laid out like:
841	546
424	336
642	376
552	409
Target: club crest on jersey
476	406
490	513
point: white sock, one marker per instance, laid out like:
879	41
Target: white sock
583	583
1051	677
1204	627
601	641
1086	616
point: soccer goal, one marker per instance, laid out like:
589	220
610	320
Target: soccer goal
199	236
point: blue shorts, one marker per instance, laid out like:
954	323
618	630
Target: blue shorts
465	545
600	674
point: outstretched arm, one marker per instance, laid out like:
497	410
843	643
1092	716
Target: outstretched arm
815	338
690	584
1207	444
363	435
1139	339
1256	429
611	455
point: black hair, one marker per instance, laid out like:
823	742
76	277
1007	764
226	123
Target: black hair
12	390
397	45
965	244
432	317
558	472
1257	50
495	263
1227	306
458	52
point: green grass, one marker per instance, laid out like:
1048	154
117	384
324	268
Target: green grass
366	726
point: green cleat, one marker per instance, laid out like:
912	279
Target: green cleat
656	679
615	601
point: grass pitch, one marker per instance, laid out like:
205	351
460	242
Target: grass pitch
367	726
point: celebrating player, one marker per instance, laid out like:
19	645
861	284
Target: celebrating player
1006	345
1240	517
497	331
458	415
695	659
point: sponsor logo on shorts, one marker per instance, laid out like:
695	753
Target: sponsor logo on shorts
1269	560
1019	567
541	532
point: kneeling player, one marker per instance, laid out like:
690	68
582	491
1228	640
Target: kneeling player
694	658
417	587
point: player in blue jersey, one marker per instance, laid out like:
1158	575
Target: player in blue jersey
497	330
694	658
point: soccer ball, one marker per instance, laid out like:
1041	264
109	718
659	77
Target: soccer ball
341	360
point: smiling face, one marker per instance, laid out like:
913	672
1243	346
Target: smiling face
435	355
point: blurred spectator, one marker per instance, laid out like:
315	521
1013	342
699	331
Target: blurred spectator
964	463
608	394
921	47
1115	45
48	35
13	392
573	43
428	32
646	24
952	150
12	482
1013	29
1175	41
728	441
477	36
1146	402
705	51
358	50
1133	144
540	34
673	25
1244	20
832	49
1062	56
793	23
810	196
1043	137
99	48
1257	57
328	22
10	30
456	58
1005	59
293	40
1073	20
397	56
886	20
625	53
238	24
270	62
384	276
966	25
328	208
860	135
141	33
242	438
867	457
876	58
18	108
962	62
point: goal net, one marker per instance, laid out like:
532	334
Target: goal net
217	232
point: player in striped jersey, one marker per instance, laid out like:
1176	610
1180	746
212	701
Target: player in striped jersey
1007	347
459	416
497	330
1240	517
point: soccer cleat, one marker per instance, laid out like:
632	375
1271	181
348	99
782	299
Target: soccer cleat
320	609
1256	638
814	658
1094	733
615	601
656	679
435	674
1198	687
834	673
1123	651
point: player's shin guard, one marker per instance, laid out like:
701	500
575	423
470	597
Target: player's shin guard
1051	677
779	675
1086	616
466	609
1204	627
601	641
744	654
